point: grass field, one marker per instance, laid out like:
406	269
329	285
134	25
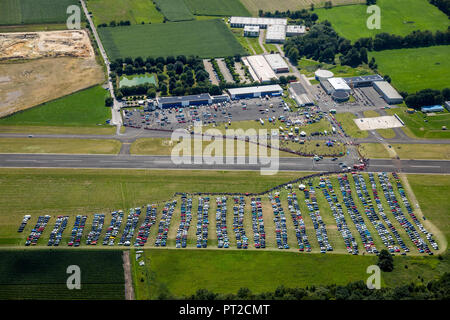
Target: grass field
385	133
84	108
44	145
32	27
408	151
174	10
250	44
104	130
205	38
217	7
34	11
397	17
419	125
308	67
42	274
412	70
350	127
135	11
283	5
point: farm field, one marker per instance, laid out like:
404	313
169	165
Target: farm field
217	7
32	27
203	38
84	108
408	151
135	11
41	274
283	5
350	127
44	145
415	69
399	17
34	11
174	10
419	125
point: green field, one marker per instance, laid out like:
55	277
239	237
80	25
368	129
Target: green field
205	38
350	127
85	108
217	7
309	66
408	151
41	274
44	145
412	70
174	10
422	126
135	11
34	11
399	17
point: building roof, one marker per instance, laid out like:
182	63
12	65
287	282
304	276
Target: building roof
248	90
432	108
326	85
276	61
298	88
251	28
368	78
191	98
299	93
257	21
323	73
276	32
261	67
338	84
295	29
388	90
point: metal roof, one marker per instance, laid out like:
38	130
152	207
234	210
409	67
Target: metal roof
388	90
251	28
261	68
276	61
339	84
276	32
257	21
248	90
295	29
368	78
178	99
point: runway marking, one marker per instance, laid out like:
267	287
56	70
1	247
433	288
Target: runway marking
425	166
56	160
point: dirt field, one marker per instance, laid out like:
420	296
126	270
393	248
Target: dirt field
282	5
42	66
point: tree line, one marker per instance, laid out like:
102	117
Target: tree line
426	97
443	5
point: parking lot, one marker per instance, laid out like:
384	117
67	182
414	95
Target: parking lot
353	213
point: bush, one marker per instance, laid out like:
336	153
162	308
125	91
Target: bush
385	261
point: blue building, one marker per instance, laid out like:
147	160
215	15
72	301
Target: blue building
436	108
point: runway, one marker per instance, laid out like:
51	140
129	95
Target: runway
236	163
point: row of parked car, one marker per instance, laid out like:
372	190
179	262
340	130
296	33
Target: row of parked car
77	231
405	200
259	234
299	223
164	223
113	229
57	231
369	209
130	225
202	222
185	222
280	221
319	225
338	214
36	232
384	216
24	222
355	215
221	223
96	229
397	211
238	223
144	229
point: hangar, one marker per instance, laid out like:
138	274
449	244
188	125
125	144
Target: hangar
241	22
277	63
184	101
259	68
339	84
300	95
389	94
276	33
252	92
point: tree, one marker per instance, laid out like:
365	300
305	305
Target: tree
151	93
311	7
363	55
119	95
293	55
109	101
385	261
371	2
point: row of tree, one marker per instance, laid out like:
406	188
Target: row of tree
443	5
427	97
114	24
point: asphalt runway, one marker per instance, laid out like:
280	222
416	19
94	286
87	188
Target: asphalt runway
165	162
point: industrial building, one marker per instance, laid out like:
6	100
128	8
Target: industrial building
389	94
252	92
241	22
184	101
251	31
321	75
276	33
277	63
259	68
338	84
340	96
295	30
436	108
300	95
221	98
363	81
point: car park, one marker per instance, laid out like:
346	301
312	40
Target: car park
36	232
